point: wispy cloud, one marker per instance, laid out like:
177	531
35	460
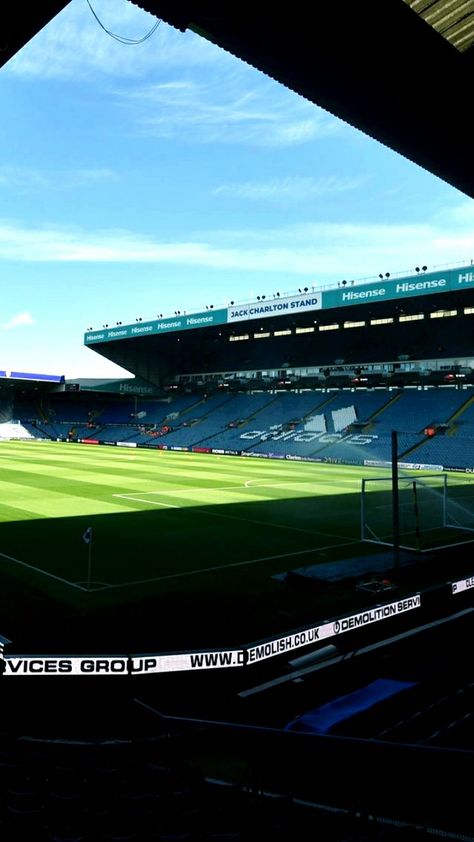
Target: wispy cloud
74	46
459	214
27	179
19	320
291	188
230	109
232	104
317	249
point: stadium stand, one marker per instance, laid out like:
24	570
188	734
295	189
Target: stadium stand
462	423
145	790
145	776
450	451
416	410
347	425
9	430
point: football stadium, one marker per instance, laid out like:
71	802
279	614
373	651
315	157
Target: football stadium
237	585
228	530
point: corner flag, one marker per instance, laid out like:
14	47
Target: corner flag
87	537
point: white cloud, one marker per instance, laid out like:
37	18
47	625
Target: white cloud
74	46
20	178
19	320
460	214
230	109
234	103
322	250
27	179
291	188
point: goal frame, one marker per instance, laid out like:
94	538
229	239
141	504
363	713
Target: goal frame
368	535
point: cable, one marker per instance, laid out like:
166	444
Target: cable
120	38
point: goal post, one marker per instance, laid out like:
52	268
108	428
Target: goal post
433	512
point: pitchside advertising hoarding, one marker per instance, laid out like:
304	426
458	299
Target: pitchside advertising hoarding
121	664
462	585
428	283
21	665
288	643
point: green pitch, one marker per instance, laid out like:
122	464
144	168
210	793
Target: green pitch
156	515
204	535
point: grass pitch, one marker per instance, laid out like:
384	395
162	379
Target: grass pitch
184	546
157	515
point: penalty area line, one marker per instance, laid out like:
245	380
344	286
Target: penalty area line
149	502
232	517
42	572
257	483
229	566
179	491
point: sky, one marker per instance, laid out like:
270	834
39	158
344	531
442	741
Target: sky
139	179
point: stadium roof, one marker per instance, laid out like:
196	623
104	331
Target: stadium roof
453	19
158	350
21	21
401	71
11	381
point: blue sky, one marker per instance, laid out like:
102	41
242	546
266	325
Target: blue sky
137	180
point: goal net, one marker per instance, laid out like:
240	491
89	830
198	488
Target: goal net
434	511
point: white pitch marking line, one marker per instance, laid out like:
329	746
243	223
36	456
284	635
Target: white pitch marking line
227	566
42	572
252	483
180	491
101	585
233	517
152	502
257	483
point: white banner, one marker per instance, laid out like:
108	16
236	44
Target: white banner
462	585
58	665
374	615
192	661
136	665
275	307
295	641
149	664
271	648
412	466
